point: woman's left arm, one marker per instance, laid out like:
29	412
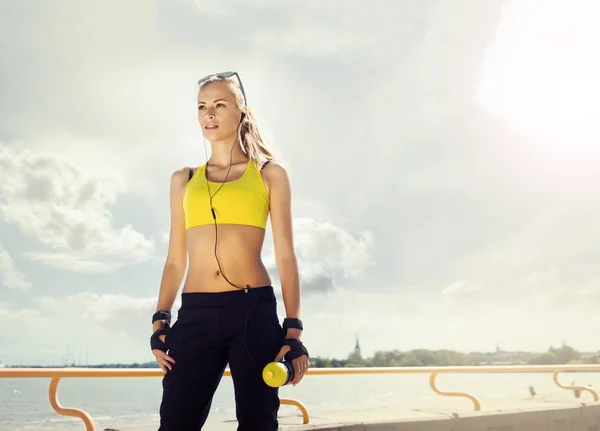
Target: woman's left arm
287	265
283	241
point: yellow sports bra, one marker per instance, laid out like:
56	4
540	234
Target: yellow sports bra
244	201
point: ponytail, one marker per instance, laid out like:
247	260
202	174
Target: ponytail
253	141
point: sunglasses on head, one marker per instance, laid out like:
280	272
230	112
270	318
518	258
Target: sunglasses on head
223	75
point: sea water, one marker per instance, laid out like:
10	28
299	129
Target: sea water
24	402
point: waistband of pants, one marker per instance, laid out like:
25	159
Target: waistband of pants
218	299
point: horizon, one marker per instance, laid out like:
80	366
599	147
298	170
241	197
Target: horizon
78	363
443	163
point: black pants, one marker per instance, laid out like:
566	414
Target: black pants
213	329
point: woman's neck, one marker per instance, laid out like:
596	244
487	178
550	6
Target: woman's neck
222	154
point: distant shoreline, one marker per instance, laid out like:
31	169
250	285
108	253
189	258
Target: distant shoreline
563	355
154	366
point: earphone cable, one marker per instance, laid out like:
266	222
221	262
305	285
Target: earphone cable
214	216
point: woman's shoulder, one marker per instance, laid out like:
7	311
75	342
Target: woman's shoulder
273	168
181	174
274	173
184	174
181	177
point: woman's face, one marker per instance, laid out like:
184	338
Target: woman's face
218	113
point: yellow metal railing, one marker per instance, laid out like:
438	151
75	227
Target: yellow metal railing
55	374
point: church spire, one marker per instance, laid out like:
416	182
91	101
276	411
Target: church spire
357	346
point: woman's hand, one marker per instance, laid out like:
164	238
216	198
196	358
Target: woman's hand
164	361
300	363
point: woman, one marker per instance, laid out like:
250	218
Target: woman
228	309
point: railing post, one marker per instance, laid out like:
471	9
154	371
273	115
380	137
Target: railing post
53	398
301	407
432	385
573	388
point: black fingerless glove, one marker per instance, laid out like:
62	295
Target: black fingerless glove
297	349
157	343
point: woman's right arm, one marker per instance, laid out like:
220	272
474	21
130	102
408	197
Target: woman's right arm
176	261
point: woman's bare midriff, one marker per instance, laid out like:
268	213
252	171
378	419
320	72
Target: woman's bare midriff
239	250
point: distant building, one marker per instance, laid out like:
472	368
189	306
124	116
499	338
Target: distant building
357	348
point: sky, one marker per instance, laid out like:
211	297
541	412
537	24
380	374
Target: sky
443	158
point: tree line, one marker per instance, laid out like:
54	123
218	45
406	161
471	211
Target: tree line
562	355
441	358
429	358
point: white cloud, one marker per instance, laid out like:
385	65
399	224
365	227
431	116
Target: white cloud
27	333
68	211
10	277
12	318
306	29
557	289
462	293
328	245
105	309
327	253
94	324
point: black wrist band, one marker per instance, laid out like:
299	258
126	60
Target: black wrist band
162	315
292	323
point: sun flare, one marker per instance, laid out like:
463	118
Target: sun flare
541	73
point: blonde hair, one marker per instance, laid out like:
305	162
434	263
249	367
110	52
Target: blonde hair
252	139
